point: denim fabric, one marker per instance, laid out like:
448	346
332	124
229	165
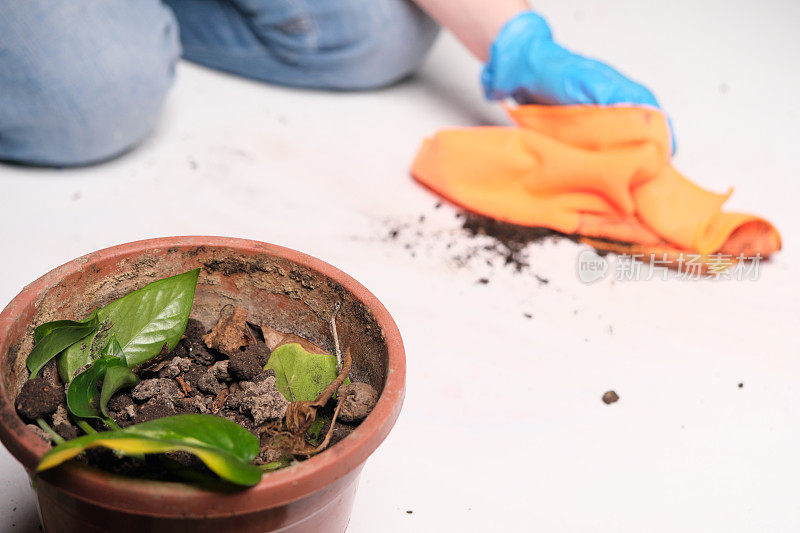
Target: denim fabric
323	44
81	80
84	80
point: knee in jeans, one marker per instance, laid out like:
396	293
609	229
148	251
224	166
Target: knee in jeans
88	105
356	44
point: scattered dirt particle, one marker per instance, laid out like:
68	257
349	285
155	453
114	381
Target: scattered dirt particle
483	281
409	511
527	315
610	397
741	385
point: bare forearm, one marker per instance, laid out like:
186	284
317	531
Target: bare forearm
475	22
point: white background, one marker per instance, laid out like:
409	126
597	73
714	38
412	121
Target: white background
503	428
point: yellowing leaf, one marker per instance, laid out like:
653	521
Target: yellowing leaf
225	447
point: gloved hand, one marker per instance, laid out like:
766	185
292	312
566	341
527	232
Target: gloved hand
526	64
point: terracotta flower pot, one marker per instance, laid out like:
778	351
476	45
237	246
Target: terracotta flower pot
286	289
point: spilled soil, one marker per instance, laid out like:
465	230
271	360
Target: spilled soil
473	239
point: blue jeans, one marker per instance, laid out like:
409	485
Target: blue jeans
84	80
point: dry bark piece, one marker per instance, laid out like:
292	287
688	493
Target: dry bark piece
39	397
219	401
275	339
357	399
229	333
185	387
610	397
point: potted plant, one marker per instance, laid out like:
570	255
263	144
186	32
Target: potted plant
289	292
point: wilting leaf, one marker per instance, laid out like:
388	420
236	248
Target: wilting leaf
51	338
225	447
142	321
308	373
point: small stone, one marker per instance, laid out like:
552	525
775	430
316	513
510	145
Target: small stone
42	434
244	365
263	400
357	400
155	388
39	397
220	370
610	397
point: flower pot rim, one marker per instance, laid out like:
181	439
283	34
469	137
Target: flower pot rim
172	499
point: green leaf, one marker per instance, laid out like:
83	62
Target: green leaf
42	330
83	394
117	376
84	398
142	320
52	338
224	446
113	350
308	373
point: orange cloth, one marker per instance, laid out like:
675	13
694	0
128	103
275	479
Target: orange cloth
596	171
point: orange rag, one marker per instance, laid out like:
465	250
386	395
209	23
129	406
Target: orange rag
599	172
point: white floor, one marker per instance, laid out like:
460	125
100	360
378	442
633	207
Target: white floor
503	428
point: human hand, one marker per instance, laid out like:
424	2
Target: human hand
527	65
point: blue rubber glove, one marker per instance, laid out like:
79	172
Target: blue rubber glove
526	64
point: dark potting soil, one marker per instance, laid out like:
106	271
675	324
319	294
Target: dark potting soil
192	378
